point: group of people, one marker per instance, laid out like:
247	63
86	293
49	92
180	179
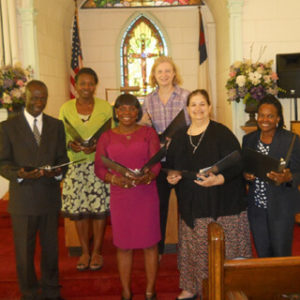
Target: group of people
138	202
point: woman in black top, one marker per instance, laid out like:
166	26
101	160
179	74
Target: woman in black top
212	198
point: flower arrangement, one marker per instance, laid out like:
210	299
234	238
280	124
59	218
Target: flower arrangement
12	86
251	81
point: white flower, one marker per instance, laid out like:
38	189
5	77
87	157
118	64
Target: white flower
241	80
6	98
255	77
17	93
267	79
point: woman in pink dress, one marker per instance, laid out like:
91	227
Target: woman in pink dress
134	203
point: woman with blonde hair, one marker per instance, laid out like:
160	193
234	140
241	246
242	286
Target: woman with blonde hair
161	107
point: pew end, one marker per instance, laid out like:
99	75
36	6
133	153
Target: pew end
252	279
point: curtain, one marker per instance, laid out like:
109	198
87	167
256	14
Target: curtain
8	33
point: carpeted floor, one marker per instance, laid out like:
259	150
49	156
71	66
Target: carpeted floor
97	285
87	285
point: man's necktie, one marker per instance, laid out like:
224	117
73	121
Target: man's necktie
36	132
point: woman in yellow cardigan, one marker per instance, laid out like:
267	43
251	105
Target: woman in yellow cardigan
84	195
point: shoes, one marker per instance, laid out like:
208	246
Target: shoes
83	262
188	298
56	298
96	262
150	296
123	298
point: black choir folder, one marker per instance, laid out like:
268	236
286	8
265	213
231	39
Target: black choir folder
221	165
51	168
93	139
111	164
260	164
178	122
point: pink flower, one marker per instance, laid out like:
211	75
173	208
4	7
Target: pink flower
232	74
274	76
20	82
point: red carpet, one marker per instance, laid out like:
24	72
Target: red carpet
98	285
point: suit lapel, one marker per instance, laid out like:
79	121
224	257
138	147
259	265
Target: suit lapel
26	133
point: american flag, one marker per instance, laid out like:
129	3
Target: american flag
76	60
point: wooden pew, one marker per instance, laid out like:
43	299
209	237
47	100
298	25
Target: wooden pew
257	278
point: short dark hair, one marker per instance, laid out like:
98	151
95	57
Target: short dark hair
88	71
128	99
202	92
35	82
271	99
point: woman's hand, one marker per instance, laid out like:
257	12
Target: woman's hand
173	177
146	178
284	176
88	150
248	176
75	146
210	180
122	181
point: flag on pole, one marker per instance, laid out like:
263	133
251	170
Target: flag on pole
204	82
76	59
202	44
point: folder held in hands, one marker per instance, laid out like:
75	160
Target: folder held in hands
111	164
92	140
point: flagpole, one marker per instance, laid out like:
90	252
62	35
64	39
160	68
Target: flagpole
76	59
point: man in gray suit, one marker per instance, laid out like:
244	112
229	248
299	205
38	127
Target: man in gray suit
28	141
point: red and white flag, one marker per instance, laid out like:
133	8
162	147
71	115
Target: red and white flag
76	60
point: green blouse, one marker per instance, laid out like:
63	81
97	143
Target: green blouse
101	113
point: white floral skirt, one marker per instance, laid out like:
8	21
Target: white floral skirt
84	194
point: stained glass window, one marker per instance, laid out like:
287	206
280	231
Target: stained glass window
142	43
137	3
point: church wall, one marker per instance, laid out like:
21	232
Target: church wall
54	23
271	23
274	24
100	35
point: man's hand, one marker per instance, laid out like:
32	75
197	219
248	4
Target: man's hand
52	173
34	174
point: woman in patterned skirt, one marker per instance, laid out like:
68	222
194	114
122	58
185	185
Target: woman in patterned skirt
85	196
209	198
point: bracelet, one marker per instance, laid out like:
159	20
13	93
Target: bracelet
112	179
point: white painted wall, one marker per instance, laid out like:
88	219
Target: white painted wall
275	24
101	31
54	24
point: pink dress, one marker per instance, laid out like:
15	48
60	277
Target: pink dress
134	211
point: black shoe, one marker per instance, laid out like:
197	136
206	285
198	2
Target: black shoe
189	298
150	296
123	298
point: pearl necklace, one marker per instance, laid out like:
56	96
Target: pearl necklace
199	141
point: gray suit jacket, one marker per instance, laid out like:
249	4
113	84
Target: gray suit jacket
18	149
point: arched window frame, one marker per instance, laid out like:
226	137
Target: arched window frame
163	49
